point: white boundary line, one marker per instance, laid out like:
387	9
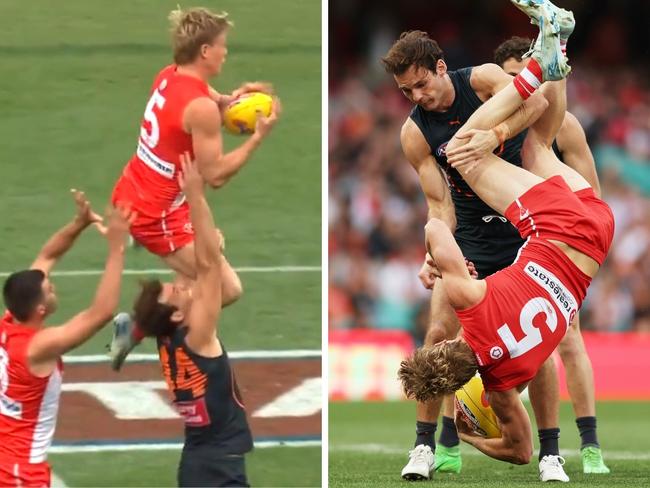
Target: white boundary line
164	446
280	354
385	449
57	482
164	271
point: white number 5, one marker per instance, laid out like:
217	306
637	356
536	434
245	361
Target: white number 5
532	335
151	138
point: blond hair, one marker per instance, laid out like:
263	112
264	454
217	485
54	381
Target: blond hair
437	370
192	28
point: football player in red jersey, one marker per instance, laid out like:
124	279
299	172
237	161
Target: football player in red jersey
30	351
183	114
514	319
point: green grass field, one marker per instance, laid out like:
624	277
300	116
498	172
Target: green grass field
369	442
75	82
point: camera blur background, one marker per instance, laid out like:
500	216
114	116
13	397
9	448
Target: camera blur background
377	210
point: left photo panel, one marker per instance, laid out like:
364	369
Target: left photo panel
161	266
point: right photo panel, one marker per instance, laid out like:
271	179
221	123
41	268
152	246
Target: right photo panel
489	242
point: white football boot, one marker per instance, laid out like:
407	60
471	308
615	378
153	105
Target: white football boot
420	465
550	469
547	50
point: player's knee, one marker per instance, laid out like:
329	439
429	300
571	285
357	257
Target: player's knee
571	346
232	291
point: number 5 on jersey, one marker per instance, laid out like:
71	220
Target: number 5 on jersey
151	138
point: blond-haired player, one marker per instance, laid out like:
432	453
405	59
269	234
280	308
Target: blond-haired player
183	114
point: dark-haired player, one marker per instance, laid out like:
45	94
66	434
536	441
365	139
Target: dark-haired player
513	320
30	351
194	363
444	101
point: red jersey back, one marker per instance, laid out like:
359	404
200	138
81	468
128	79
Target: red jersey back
28	404
524	315
149	180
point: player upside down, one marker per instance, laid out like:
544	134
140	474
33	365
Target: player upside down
514	319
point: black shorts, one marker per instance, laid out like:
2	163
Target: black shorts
490	247
202	469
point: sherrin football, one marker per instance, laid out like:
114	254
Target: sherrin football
240	115
472	403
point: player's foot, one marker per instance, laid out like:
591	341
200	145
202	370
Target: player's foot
592	461
547	50
550	469
448	459
123	341
420	465
534	10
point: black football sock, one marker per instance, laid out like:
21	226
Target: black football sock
449	435
549	442
426	434
587	428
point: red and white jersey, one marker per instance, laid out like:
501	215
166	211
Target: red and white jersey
524	315
28	404
149	180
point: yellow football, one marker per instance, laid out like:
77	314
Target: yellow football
473	405
240	115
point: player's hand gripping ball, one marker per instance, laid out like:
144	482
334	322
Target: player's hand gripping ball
241	114
471	403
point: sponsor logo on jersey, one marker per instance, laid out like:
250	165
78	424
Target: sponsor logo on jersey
194	412
442	150
496	352
488	218
559	293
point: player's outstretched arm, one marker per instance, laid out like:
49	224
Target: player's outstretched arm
52	342
203	119
515	444
463	291
207	302
63	239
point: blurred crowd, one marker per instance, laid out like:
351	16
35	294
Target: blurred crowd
377	210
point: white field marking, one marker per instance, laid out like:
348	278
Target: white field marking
165	446
279	354
57	482
128	400
142	400
302	401
164	271
468	451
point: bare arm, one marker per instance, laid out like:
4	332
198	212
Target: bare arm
572	141
504	112
63	239
206	304
203	120
463	291
52	342
432	181
515	444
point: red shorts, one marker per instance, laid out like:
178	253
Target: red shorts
161	232
25	474
550	210
165	234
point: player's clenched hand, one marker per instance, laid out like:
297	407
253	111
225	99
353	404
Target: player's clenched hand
471	268
463	426
85	214
475	144
265	124
189	178
251	87
120	220
429	272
